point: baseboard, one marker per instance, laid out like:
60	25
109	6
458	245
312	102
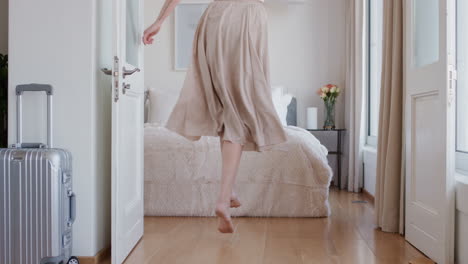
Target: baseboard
100	257
368	196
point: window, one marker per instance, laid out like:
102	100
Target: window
374	67
462	88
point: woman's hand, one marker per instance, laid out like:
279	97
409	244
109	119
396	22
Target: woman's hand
150	32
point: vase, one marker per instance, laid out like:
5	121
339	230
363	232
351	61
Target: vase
329	114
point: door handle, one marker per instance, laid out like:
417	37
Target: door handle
129	72
106	71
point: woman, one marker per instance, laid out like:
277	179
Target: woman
227	91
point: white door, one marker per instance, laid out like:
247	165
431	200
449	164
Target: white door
127	127
429	127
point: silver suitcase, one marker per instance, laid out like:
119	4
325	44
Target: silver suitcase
37	201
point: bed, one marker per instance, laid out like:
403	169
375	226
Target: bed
182	177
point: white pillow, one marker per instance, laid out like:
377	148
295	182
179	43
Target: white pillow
161	103
281	102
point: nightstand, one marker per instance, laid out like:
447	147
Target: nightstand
332	139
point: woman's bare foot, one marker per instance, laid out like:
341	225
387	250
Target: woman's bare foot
224	219
235	201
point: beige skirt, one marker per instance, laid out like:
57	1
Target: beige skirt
227	91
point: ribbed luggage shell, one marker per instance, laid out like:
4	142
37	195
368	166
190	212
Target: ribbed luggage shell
35	216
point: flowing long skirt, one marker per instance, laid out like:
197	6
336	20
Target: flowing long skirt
227	91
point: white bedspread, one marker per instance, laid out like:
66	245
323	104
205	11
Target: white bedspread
182	177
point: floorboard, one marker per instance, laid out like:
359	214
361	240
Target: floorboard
348	236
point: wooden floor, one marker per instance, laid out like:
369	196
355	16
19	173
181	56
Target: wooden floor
348	236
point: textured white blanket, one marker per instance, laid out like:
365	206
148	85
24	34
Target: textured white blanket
182	176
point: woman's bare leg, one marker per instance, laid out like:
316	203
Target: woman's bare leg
235	202
231	154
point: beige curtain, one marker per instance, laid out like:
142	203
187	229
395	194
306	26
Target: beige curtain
389	192
354	95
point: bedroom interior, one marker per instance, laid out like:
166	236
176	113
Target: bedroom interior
181	176
387	185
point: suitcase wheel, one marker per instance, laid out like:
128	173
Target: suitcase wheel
73	260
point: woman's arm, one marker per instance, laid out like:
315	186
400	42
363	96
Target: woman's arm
152	30
166	10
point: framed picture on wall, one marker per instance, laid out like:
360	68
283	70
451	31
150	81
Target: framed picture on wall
186	17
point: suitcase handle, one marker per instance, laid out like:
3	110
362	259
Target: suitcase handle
29	145
33	87
72	215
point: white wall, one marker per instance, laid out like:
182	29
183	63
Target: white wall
3	26
54	41
307	50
